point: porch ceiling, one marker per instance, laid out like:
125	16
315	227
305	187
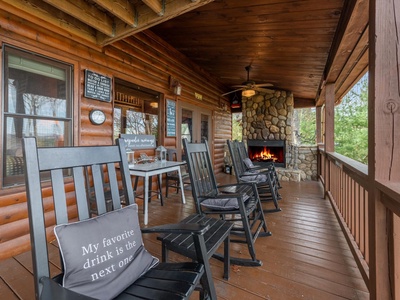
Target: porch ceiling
295	45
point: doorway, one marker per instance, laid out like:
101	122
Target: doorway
195	125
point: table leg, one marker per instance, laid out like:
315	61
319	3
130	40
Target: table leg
181	185
160	196
146	199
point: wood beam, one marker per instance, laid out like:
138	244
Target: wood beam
352	26
147	18
34	12
156	6
122	9
86	13
303	102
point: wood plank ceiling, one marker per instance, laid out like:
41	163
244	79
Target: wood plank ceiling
297	45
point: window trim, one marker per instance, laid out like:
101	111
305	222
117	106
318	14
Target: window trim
33	57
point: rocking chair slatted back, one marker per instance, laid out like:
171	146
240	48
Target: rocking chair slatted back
238	203
264	178
61	166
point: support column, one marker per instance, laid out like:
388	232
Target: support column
329	130
329	117
318	121
384	138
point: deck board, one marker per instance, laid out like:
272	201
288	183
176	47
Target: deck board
306	257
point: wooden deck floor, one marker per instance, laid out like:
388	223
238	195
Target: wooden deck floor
306	257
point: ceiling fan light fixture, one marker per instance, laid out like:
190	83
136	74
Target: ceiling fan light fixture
248	93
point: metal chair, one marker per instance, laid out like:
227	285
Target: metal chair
65	167
172	178
237	202
264	179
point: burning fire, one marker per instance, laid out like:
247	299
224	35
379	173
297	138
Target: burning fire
265	155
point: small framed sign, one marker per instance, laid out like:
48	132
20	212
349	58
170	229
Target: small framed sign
97	86
139	141
171	118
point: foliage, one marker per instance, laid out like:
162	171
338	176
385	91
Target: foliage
304	126
351	123
237	126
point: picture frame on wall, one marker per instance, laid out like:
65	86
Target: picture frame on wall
170	112
97	86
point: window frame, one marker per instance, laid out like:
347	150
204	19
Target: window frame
67	120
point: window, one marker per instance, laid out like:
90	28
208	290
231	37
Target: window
135	110
37	102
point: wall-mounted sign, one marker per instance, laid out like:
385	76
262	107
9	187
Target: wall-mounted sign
171	118
97	86
138	141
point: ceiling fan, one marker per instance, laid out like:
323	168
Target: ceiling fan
249	87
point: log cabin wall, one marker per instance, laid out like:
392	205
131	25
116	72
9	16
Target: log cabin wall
144	59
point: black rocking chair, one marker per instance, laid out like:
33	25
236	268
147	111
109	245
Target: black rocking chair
244	155
64	168
264	178
238	203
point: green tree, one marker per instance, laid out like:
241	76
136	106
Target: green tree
351	123
304	126
237	126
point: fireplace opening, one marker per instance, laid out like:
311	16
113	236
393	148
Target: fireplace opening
261	151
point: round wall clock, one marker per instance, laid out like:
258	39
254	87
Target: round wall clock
97	117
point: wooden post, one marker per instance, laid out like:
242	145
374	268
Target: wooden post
318	122
329	117
329	130
384	137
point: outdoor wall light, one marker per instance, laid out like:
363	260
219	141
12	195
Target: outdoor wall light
176	85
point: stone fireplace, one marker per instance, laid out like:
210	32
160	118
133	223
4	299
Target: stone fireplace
268	122
268	118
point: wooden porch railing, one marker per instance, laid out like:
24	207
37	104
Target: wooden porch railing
346	185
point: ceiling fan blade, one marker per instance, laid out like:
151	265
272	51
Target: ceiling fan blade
263	84
266	91
240	85
231	92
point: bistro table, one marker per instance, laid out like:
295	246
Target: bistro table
155	168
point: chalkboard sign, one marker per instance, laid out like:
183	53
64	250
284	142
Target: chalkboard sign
138	141
171	118
97	86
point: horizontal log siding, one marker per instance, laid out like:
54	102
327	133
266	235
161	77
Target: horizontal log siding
143	59
223	132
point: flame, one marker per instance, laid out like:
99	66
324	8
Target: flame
265	155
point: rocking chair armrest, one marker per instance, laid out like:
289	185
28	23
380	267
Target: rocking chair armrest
250	175
226	196
52	290
236	184
179	228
